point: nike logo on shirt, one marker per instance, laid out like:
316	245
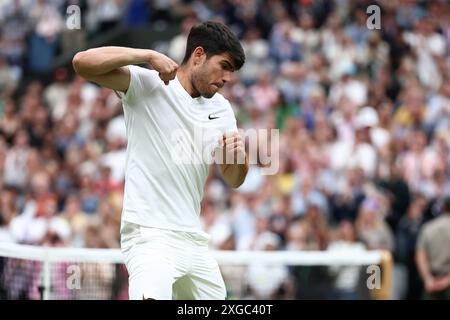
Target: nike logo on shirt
212	118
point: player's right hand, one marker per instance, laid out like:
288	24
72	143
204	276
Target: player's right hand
166	67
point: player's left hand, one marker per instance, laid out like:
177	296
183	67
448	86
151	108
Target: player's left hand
233	148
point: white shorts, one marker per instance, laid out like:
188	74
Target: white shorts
166	264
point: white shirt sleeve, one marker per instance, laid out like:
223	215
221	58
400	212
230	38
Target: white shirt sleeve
230	120
142	83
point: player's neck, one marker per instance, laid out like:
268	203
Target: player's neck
186	83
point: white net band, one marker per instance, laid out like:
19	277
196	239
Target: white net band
305	258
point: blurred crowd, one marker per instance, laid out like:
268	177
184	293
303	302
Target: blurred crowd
364	120
34	32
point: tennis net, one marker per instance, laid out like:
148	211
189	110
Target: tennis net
48	273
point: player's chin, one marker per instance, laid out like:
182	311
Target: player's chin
210	93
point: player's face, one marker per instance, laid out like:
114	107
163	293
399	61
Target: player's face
212	74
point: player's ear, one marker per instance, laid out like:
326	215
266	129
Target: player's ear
198	55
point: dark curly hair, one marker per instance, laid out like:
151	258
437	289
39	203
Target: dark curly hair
215	38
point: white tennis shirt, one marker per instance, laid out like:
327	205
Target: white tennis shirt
171	137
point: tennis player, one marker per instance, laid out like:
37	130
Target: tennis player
165	250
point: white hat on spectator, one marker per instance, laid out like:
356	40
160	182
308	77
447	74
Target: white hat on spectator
366	117
216	191
61	227
116	129
88	168
266	239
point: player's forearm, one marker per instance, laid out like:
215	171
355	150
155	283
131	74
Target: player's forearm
98	61
234	174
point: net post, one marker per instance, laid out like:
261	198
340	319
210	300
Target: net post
46	276
387	265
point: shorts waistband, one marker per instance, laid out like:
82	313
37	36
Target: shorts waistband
199	237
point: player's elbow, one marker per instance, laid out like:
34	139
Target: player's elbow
80	64
77	61
235	184
234	175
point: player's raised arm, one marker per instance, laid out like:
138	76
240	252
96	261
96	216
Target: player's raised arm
106	65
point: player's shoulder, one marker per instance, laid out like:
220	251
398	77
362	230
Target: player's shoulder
219	100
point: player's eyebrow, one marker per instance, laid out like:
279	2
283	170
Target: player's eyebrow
229	65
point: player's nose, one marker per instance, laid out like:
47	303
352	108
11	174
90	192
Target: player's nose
226	77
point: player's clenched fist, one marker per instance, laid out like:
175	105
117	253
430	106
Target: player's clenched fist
166	67
233	148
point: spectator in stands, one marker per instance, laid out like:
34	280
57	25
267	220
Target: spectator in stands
15	23
349	196
47	25
346	277
371	227
419	162
267	281
406	239
438	108
411	113
8	211
9	122
281	45
306	193
8	78
217	225
432	255
15	173
77	219
56	93
177	46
